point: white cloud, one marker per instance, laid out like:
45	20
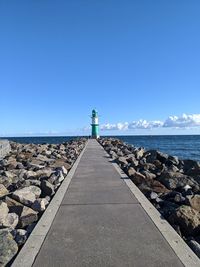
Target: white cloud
184	121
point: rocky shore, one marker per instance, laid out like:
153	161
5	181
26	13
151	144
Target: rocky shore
29	177
171	184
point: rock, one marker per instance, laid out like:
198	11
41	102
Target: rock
8	247
60	163
3	211
20	165
134	162
9	174
139	153
63	170
26	214
5	181
11	220
157	187
153	195
3	191
173	168
131	171
32	182
173	180
187	218
195	246
190	164
194	202
44	172
172	160
149	175
178	198
14	206
162	157
168	208
138	178
27	217
47	188
27	195
20	236
30	174
122	161
40	204
151	156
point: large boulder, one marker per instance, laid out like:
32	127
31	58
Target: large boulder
194	202
187	218
27	195
173	180
8	247
26	214
27	217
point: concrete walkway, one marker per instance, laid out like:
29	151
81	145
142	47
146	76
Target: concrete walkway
101	223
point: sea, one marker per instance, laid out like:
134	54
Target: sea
183	146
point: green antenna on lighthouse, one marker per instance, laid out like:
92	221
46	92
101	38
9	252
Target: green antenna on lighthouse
95	124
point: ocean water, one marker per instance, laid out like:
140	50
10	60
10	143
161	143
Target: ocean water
183	146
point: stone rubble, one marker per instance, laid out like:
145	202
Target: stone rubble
29	177
171	184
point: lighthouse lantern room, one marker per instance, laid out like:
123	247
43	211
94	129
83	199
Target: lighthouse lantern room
95	124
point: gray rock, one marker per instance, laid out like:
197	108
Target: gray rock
162	157
3	191
149	175
194	201
47	188
27	195
173	180
40	204
30	174
8	247
173	160
27	217
44	172
26	214
3	211
10	221
139	153
187	218
153	195
122	161
151	156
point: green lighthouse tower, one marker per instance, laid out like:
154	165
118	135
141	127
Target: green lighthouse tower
95	124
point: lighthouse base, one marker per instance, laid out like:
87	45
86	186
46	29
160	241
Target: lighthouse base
95	137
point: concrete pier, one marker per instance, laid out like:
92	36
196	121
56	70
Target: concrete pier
101	223
4	148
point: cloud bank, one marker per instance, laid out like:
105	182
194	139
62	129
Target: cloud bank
184	121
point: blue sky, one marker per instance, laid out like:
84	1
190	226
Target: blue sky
136	61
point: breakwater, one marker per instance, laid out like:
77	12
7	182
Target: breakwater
29	178
171	184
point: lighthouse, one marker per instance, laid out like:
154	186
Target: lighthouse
95	124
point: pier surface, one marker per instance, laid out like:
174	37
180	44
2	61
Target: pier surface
101	223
